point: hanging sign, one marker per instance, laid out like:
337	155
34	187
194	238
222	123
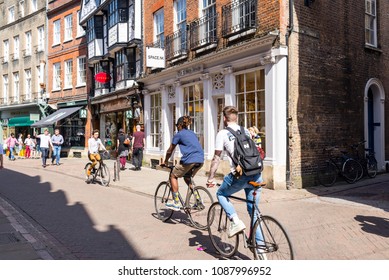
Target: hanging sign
102	77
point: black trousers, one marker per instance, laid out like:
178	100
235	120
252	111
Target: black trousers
137	156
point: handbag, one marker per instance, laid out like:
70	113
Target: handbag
127	142
5	146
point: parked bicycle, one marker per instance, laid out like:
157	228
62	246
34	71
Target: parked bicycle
367	160
101	173
275	243
343	165
196	204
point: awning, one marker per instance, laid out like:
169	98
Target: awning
20	121
57	116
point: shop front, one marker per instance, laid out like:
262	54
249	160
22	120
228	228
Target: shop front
18	121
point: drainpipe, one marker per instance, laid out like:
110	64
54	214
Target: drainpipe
287	37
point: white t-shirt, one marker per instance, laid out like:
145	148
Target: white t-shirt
29	142
45	140
225	140
94	145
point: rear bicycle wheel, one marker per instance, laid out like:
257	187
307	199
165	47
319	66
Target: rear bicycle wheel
371	166
199	201
104	175
218	227
88	178
360	171
327	174
276	244
163	194
350	170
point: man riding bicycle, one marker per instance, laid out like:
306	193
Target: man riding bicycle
234	181
192	157
94	145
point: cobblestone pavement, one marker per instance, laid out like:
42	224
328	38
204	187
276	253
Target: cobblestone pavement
55	215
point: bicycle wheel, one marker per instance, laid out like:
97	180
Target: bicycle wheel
199	201
218	226
327	174
371	166
277	245
360	171
88	177
104	175
163	195
350	170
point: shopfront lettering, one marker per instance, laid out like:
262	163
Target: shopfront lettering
190	70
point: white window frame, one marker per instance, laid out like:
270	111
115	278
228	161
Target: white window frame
155	120
16	47
81	71
68	73
180	17
27	84
80	30
159	28
5	89
371	23
57	76
56	32
68	28
16	87
6	50
11	14
41	38
38	79
21	8
28	37
191	104
33	6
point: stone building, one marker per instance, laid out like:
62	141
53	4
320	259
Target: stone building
66	83
308	74
22	64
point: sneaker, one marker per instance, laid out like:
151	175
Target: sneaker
236	228
173	206
57	163
198	206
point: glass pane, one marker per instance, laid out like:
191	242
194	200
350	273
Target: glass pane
240	83
260	75
261	101
250	82
250	102
240	102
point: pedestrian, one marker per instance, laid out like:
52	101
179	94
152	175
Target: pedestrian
11	142
123	144
1	152
29	142
57	141
256	136
138	144
45	143
19	146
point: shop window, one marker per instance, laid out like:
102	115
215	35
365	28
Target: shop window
194	107
73	131
250	100
155	120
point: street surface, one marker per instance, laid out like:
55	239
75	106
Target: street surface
74	220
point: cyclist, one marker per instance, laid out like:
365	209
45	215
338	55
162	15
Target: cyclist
94	145
233	182
192	157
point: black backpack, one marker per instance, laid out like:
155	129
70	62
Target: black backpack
246	154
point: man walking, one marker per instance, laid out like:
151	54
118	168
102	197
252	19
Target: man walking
138	144
45	141
57	141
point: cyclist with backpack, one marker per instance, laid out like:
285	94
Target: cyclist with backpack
245	163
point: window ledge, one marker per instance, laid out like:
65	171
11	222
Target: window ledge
369	47
80	85
67	88
55	45
68	40
56	89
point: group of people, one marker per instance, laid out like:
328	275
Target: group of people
37	146
193	159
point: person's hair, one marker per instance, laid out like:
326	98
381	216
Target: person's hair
96	130
231	113
121	131
12	134
184	121
254	129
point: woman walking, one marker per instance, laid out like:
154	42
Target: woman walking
123	145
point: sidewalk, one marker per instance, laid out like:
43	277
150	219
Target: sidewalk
17	243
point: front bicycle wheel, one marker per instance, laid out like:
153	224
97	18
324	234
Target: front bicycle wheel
163	194
199	201
327	174
276	244
218	227
371	166
104	175
350	170
90	176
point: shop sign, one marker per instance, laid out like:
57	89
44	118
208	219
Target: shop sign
155	58
34	117
102	77
4	122
189	71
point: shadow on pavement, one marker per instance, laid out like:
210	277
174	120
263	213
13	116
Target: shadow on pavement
69	226
375	225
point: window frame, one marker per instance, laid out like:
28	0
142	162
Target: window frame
159	27
41	38
81	81
155	120
11	14
371	33
16	86
6	50
68	79
33	5
68	32
28	38
28	84
57	76
16	47
5	88
188	104
57	32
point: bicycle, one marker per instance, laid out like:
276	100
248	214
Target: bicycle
101	173
275	244
196	203
344	165
368	161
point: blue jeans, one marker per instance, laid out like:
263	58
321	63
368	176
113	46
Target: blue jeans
11	153
45	154
231	185
56	153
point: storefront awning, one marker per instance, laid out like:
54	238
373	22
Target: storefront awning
57	116
20	121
